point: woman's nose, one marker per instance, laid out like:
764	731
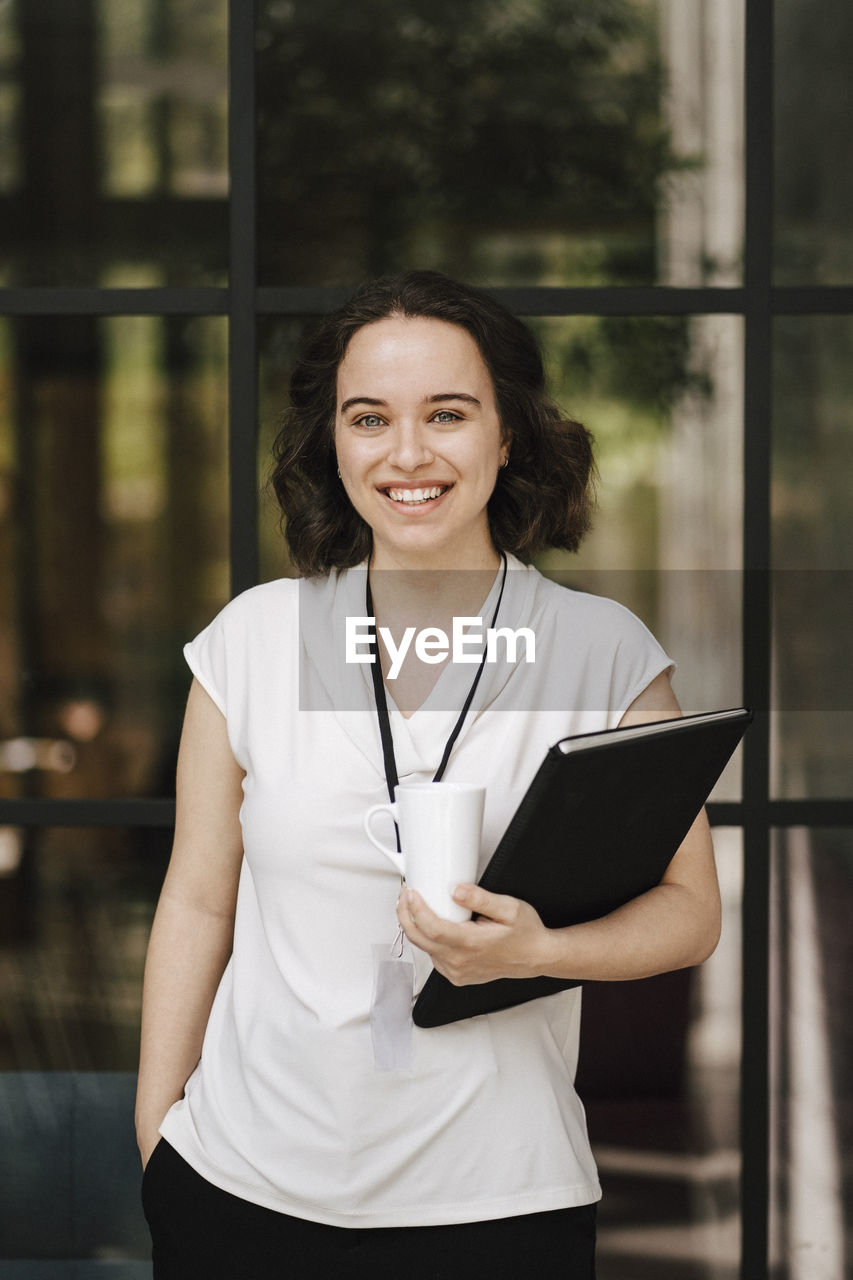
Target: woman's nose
410	447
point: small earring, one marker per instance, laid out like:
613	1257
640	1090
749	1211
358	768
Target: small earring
505	463
340	477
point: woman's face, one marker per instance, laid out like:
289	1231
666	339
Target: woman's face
419	442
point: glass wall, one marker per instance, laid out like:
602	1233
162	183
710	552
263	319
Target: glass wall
587	162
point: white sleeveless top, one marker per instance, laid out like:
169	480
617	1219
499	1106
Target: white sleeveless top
287	1107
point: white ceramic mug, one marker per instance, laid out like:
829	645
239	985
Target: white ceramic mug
440	824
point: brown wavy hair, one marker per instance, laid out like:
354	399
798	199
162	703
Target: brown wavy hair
543	498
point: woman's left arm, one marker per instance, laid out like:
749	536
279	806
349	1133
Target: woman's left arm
673	925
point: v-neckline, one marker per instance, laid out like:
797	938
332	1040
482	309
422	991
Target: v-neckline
461	674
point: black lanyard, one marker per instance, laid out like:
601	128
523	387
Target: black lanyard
391	778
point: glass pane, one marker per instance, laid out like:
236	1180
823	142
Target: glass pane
113	536
659	1079
812	1054
813	178
812	557
76	907
504	143
116	116
663	398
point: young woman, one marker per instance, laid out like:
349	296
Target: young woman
420	465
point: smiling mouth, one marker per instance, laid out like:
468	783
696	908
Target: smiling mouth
415	497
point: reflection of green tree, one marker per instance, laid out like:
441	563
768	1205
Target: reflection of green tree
640	361
408	133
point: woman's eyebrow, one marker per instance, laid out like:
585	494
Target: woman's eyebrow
452	395
347	404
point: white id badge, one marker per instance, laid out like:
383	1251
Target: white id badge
391	1024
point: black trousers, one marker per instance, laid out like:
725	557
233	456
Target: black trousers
202	1233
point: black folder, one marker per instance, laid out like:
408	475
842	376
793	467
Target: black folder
597	827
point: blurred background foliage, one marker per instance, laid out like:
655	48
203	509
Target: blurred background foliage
432	131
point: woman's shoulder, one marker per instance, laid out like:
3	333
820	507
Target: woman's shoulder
267	599
254	619
279	592
248	635
599	642
571	606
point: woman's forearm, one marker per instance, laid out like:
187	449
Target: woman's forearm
672	926
667	928
187	953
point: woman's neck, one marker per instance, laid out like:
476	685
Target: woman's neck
402	595
475	558
423	599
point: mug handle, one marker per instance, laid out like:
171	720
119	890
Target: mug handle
392	854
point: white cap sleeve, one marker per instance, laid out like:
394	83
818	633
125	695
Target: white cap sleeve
206	659
233	657
639	660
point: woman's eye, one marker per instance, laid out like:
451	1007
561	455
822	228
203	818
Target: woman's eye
370	420
446	415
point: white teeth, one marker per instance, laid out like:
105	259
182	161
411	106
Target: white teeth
411	496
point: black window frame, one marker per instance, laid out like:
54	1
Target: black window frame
758	301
